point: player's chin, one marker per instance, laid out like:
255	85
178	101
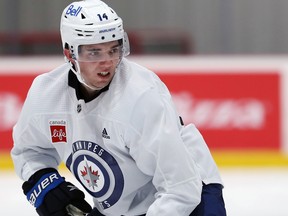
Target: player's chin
101	85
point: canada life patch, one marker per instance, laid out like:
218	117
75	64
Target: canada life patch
58	131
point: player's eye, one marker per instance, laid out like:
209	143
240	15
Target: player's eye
115	50
93	53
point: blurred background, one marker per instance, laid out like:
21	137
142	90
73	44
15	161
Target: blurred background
224	61
183	26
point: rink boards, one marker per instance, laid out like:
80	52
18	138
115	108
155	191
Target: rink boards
238	103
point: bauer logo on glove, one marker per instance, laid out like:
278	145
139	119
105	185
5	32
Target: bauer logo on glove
49	181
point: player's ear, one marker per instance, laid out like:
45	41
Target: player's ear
67	53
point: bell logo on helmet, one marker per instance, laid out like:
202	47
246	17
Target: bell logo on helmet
73	11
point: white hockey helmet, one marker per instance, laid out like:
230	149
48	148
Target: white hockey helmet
91	22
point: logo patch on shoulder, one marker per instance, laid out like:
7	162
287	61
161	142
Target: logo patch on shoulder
58	131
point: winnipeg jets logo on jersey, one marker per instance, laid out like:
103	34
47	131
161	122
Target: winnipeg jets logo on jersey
98	171
89	175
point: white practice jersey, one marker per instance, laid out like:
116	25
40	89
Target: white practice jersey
126	147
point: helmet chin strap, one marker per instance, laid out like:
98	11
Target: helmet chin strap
80	78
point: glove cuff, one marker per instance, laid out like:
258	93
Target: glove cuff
27	185
47	182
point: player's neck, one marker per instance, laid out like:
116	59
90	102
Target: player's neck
89	93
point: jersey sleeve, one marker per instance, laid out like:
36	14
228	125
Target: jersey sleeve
32	150
159	151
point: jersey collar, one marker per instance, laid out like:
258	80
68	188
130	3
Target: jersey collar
74	83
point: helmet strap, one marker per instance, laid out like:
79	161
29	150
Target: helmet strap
76	70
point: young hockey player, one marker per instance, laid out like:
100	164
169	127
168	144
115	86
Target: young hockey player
114	125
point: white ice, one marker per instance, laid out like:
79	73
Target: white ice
247	192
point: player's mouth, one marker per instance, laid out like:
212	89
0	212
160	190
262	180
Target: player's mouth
103	74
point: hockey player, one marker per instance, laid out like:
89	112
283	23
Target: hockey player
114	125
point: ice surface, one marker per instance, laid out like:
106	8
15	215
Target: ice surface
247	192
